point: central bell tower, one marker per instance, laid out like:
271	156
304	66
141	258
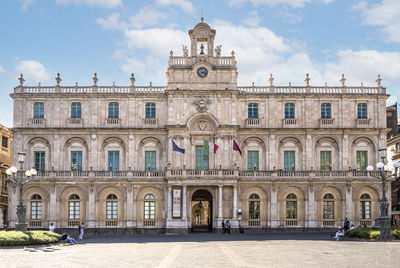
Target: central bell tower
204	68
202	40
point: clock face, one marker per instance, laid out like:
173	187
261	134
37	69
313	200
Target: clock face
202	72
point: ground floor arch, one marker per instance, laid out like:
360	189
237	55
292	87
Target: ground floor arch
202	211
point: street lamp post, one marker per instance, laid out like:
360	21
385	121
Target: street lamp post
21	208
384	218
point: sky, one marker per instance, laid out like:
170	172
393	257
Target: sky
114	38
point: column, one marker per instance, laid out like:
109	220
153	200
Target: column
184	209
92	207
53	206
311	208
129	207
169	151
274	206
219	202
169	203
349	202
234	202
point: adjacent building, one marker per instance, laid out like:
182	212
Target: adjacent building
5	163
135	159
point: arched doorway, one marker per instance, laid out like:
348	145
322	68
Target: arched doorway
202	211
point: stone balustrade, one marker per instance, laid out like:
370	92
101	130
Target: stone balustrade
206	173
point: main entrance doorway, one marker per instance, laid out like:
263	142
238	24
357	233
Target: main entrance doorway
202	211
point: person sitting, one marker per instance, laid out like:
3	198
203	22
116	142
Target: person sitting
67	237
339	233
352	227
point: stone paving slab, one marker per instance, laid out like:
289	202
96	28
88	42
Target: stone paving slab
208	250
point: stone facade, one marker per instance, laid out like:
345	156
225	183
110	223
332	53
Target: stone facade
5	163
121	188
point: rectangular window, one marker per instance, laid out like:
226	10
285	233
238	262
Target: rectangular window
254	210
150	110
39	158
112	210
365	210
325	160
253	111
76	160
289	110
328	210
74	210
289	160
362	111
149	210
252	160
326	110
113	110
362	160
201	158
36	210
150	160
38	110
113	160
76	110
4	142
291	209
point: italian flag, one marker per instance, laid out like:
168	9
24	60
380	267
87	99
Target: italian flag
210	146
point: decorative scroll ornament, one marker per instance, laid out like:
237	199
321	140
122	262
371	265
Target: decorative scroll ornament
202	124
201	103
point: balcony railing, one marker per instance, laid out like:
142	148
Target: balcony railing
75	121
206	173
152	122
149	223
363	122
326	122
113	121
37	122
289	122
252	122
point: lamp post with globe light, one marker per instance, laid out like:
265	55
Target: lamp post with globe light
384	218
29	174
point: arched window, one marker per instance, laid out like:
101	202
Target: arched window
254	207
113	110
74	207
76	110
36	207
365	206
112	207
289	110
362	111
252	110
326	110
328	207
38	110
150	110
149	207
291	206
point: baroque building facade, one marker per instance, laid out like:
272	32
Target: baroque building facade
5	163
105	154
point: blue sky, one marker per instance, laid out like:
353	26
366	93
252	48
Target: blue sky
114	38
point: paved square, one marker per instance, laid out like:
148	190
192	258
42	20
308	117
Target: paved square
208	250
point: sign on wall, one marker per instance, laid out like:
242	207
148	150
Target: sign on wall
176	203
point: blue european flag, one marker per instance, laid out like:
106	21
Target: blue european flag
176	148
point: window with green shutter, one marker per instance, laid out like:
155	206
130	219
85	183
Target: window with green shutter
289	160
289	110
362	160
325	160
253	111
39	161
201	157
150	160
252	160
326	110
113	160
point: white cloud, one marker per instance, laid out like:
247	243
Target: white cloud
99	3
289	17
385	14
186	5
158	41
111	22
2	69
32	70
26	4
392	100
147	16
253	20
273	3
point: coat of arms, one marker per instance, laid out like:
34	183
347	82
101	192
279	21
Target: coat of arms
202	103
202	124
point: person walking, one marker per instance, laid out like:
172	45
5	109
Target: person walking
81	230
51	227
228	224
223	227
